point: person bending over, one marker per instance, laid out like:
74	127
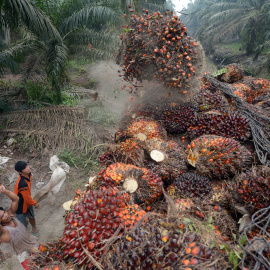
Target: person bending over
13	232
23	190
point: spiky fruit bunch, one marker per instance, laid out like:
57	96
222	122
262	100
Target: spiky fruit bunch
233	74
193	184
168	159
161	244
176	118
254	188
241	90
143	110
227	124
259	88
205	85
95	218
130	152
158	47
144	185
217	157
106	159
143	129
207	101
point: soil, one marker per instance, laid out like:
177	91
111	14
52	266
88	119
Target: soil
49	215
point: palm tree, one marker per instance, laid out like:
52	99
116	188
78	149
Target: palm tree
47	39
217	21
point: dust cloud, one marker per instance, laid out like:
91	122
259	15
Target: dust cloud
153	92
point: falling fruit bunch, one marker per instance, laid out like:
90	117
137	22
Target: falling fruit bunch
143	129
157	46
160	244
167	159
176	118
254	188
234	73
50	256
94	219
207	101
130	152
192	184
227	124
144	185
218	157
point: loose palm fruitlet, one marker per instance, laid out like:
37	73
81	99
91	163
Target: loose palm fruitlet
192	184
227	124
157	46
176	118
143	185
254	188
168	159
96	217
218	157
49	256
233	74
144	129
160	244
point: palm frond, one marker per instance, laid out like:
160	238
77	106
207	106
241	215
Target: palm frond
7	62
33	17
56	56
89	15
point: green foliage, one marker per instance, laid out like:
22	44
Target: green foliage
214	21
38	93
5	106
87	159
220	72
99	114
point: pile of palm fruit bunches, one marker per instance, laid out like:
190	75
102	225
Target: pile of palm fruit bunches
176	181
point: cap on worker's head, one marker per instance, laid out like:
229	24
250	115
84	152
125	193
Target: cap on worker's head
20	166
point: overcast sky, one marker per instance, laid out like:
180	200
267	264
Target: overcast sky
179	4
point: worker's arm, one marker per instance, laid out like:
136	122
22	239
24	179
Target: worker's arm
14	199
4	234
27	197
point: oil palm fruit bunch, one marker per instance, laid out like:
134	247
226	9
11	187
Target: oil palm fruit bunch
217	157
96	217
206	100
130	151
227	124
259	89
176	118
168	159
142	184
206	86
161	244
192	184
143	129
157	46
254	188
241	90
233	73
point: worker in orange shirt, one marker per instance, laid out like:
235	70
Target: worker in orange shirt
22	188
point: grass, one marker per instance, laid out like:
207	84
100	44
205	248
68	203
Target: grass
88	159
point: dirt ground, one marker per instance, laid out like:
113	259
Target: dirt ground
49	215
